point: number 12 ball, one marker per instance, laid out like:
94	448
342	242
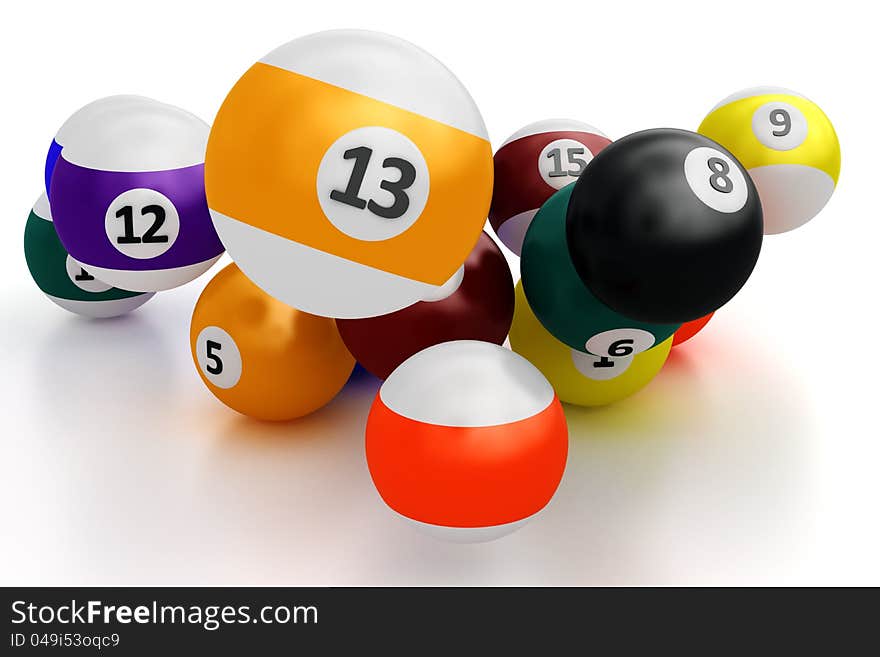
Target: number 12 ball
788	146
349	174
128	194
664	226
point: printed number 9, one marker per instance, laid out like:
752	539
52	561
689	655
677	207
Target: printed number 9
782	120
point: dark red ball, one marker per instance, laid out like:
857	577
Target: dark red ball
480	309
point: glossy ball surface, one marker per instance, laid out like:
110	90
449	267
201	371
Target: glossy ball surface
64	280
787	144
534	163
665	226
562	302
128	196
261	357
690	329
467	440
349	173
579	378
480	308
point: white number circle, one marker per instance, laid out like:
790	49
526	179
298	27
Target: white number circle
83	279
779	126
142	223
218	357
620	343
373	183
562	161
600	368
716	179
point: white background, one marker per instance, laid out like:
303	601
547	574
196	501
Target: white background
753	458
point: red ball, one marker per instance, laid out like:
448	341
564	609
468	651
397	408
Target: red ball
532	165
481	308
690	329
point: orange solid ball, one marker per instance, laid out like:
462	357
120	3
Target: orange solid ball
261	357
689	329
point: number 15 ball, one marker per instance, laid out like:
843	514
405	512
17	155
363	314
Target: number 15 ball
349	174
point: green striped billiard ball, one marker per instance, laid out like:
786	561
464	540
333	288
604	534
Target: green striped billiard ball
63	279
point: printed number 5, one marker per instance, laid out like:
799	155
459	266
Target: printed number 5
217	366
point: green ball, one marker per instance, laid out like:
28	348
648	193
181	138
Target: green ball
63	279
561	301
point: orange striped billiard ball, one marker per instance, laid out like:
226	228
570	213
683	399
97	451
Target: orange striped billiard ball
349	174
467	440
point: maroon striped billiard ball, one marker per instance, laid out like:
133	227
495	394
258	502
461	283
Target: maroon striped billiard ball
479	308
533	164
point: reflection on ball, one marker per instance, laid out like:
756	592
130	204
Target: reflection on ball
64	280
531	165
788	146
261	357
579	378
480	308
467	440
349	174
127	191
562	302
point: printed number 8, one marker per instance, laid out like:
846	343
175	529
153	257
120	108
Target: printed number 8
719	180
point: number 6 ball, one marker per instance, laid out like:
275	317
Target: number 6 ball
664	226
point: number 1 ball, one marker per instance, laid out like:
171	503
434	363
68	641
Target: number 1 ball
63	279
480	308
788	146
664	226
128	194
261	357
534	163
349	174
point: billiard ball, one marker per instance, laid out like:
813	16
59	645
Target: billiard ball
690	329
480	308
467	440
261	357
88	113
533	163
788	146
665	226
62	279
127	191
349	174
562	302
579	378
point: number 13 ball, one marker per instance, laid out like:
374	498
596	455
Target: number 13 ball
788	146
349	174
664	226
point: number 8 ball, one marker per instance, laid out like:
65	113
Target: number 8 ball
664	226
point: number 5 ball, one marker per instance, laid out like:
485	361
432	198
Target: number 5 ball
664	226
788	146
349	174
261	357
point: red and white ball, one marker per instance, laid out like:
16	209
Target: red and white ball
467	440
534	163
